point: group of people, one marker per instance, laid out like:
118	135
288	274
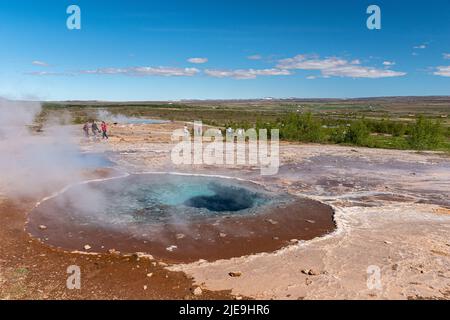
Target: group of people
93	127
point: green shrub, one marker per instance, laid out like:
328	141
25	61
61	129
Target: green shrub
302	127
338	134
357	133
425	134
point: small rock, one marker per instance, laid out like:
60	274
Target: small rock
310	221
42	227
87	247
313	272
222	235
293	240
149	274
235	274
171	248
197	291
310	272
387	242
145	287
238	298
308	281
271	221
179	236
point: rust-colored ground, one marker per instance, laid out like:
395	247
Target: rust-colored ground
32	270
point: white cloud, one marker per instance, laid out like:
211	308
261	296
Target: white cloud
421	46
49	73
336	67
40	63
388	63
246	73
446	55
443	71
134	71
145	71
198	60
254	57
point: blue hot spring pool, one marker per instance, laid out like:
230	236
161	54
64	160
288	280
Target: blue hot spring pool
177	216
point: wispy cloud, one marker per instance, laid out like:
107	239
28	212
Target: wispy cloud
246	73
443	71
421	46
49	73
446	55
388	63
336	67
255	57
40	63
198	60
134	71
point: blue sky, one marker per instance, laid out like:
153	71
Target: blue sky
169	50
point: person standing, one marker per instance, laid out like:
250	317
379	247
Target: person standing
86	130
104	130
94	129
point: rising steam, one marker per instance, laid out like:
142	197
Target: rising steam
31	162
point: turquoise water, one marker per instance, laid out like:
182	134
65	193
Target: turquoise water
163	198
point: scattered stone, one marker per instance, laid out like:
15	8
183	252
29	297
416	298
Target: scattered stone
222	235
197	291
163	264
150	274
387	242
395	267
310	221
235	274
310	272
308	281
87	247
145	287
313	272
275	238
293	240
179	236
171	248
238	298
142	255
271	221
42	227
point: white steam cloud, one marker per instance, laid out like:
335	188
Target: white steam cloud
35	163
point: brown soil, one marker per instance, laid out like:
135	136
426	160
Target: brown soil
31	270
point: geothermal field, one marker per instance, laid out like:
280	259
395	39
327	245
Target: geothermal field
334	221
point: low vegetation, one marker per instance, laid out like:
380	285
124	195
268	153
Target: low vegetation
421	134
394	123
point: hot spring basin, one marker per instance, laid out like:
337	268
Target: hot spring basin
179	218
